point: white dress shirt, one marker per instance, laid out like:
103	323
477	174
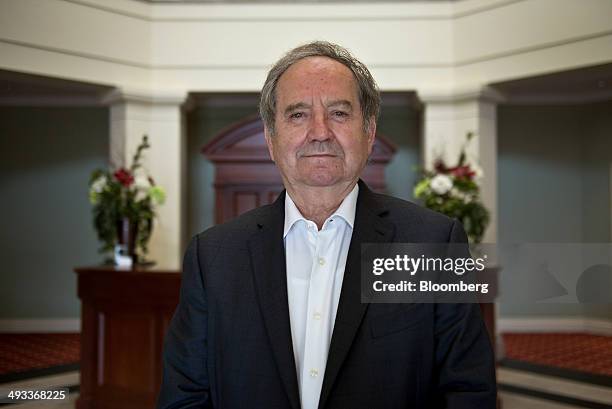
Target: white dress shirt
315	269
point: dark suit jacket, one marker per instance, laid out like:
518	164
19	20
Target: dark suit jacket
229	343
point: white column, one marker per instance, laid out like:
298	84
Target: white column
162	119
447	121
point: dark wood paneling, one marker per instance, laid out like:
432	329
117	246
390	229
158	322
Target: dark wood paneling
245	201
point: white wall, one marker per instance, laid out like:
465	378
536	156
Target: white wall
73	40
46	158
554	186
528	37
438	49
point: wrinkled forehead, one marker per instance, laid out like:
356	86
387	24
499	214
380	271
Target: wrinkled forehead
315	79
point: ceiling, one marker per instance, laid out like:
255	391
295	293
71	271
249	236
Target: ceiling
294	1
589	84
28	89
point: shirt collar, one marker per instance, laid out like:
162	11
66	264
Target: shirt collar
346	210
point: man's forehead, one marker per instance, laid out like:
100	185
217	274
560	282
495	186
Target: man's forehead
318	62
316	77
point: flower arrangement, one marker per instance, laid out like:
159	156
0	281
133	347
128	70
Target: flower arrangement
454	191
125	197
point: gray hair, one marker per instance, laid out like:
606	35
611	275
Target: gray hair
369	95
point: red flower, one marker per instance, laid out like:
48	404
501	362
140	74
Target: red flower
440	167
462	172
124	177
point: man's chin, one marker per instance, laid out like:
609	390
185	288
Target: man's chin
322	179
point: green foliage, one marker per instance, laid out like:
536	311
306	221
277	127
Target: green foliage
453	191
124	193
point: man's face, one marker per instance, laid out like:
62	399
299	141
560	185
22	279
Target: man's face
319	138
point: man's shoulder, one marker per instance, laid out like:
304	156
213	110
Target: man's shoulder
409	217
404	210
238	231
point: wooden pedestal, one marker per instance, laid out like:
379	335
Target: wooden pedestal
124	317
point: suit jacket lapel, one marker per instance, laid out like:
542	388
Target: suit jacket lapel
369	227
270	277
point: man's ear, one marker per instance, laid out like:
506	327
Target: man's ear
371	133
268	136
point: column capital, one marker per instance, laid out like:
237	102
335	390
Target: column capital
467	94
146	97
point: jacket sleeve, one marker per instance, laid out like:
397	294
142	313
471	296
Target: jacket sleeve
185	382
464	357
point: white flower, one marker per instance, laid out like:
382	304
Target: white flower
99	184
478	172
458	193
142	182
441	184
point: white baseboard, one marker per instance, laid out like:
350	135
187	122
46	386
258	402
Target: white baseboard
543	324
40	325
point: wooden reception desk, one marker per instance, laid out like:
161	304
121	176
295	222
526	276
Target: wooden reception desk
124	317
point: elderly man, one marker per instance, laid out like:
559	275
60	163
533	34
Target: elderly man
270	313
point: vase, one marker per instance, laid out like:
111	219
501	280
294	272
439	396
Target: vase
126	237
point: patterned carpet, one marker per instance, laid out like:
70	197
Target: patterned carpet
26	352
579	352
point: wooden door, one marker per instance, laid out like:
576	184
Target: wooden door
246	177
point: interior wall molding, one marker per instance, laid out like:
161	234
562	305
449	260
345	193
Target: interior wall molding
51	101
145	97
538	47
374	65
153	12
144	15
146	66
465	94
80	54
559	99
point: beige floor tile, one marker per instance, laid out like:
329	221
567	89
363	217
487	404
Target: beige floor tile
513	401
555	385
63	379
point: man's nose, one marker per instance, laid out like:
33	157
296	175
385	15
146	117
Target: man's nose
319	129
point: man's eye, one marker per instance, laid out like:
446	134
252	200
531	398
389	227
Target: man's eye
340	114
296	115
